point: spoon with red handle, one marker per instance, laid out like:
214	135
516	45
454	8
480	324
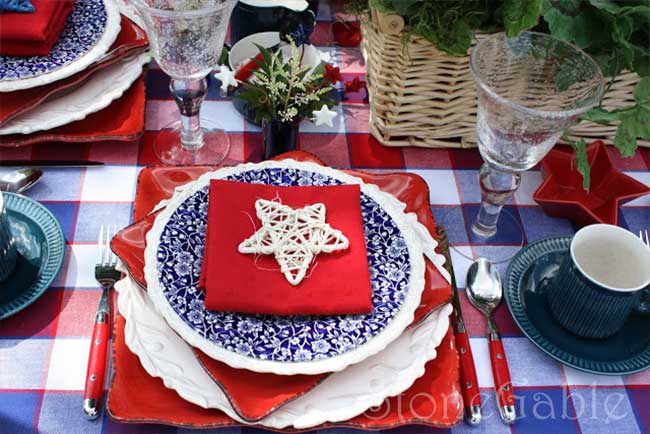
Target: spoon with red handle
484	291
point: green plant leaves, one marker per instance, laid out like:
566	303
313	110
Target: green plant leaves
607	5
624	141
403	7
286	90
582	162
600	116
642	92
520	15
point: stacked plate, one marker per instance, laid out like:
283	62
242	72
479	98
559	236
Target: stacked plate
351	363
98	57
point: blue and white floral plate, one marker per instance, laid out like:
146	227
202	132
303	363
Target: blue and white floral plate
286	345
91	28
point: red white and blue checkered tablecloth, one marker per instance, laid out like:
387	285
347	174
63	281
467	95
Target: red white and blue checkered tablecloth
43	350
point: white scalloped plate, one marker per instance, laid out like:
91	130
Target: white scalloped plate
93	95
341	396
100	48
416	236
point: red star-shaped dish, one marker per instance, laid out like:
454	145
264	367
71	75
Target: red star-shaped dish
562	195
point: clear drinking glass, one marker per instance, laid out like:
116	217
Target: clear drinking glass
187	37
530	90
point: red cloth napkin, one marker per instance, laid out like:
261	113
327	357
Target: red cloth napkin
36	33
336	283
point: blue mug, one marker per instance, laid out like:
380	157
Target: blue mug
8	253
601	281
257	16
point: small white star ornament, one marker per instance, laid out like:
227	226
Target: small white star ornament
324	116
227	78
293	236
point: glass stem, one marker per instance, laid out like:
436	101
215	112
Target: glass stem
497	186
189	95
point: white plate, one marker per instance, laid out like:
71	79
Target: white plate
113	26
341	396
94	94
246	49
416	238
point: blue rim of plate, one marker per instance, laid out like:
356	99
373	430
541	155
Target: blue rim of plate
55	240
518	266
273	338
83	29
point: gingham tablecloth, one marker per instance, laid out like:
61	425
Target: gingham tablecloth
44	349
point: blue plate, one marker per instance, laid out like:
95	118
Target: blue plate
85	26
527	280
41	247
273	338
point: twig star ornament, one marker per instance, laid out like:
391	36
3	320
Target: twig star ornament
293	236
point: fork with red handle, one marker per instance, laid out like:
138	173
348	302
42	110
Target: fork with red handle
106	275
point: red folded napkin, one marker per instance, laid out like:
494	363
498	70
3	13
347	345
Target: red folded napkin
34	34
337	283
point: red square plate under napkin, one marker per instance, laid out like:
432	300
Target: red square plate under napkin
135	397
336	283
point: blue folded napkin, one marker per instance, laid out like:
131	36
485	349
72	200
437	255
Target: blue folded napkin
24	6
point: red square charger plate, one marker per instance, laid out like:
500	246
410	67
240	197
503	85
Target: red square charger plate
135	397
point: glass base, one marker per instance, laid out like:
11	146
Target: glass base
169	150
498	248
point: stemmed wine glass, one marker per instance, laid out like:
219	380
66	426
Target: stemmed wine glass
531	88
187	38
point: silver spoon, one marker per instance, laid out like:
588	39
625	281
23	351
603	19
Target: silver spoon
484	292
20	180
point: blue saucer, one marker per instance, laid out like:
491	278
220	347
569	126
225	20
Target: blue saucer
41	247
527	280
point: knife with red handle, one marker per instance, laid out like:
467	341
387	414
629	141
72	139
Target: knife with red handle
468	380
501	375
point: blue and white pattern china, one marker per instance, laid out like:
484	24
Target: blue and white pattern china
85	26
281	339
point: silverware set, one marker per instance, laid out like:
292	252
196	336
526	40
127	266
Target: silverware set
106	275
484	292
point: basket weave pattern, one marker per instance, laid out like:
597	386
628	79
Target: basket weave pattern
421	96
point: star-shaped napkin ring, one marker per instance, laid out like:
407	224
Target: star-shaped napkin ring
293	236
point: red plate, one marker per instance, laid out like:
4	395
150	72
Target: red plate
122	120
